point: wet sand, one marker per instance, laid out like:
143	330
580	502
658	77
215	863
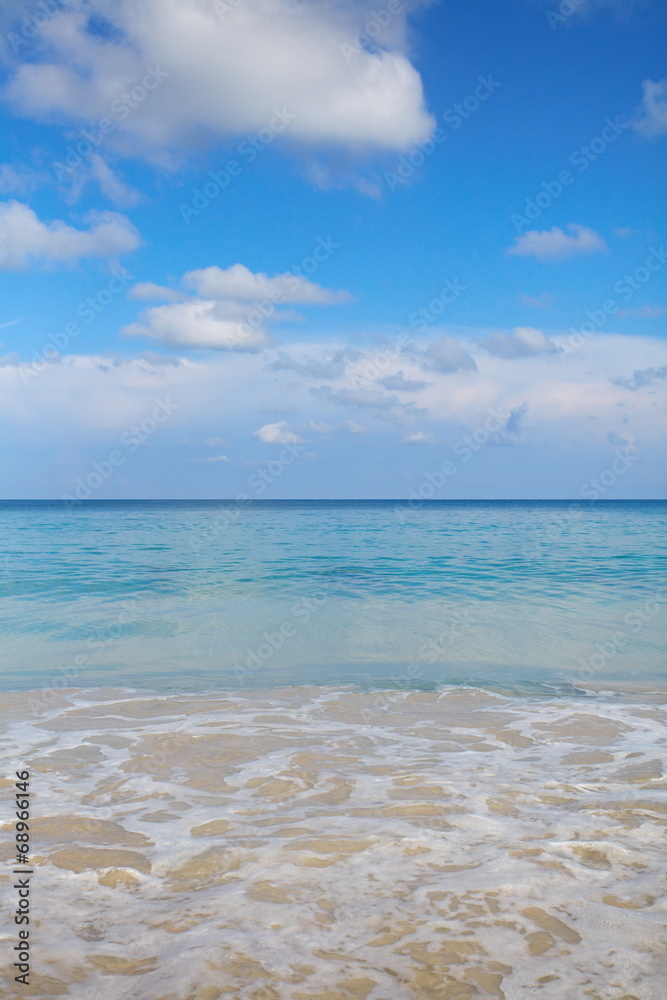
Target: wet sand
322	844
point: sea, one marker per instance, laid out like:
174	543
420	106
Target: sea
327	750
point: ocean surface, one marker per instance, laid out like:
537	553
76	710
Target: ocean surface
337	751
183	596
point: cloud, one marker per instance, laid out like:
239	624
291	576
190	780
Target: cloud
17	179
229	317
332	365
198	323
216	459
554	244
363	398
277	434
514	424
625	441
237	282
640	378
214	442
446	355
211	70
110	185
651	117
523	342
147	291
27	240
400	383
643	312
419	437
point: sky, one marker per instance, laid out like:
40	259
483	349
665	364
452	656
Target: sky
277	249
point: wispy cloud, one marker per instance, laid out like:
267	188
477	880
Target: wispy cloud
651	117
554	244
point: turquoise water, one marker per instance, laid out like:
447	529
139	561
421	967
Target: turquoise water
184	596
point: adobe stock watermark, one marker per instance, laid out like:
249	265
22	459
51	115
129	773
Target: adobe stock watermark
31	26
593	489
625	288
369	33
581	158
87	311
247	150
454	116
258	482
431	652
121	108
566	8
100	642
380	362
463	449
263	309
131	439
617	643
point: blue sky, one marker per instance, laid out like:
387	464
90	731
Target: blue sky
308	250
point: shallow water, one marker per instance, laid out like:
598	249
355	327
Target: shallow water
197	595
326	844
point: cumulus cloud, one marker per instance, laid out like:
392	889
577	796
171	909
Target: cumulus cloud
27	240
229	317
446	355
211	461
651	117
554	244
237	282
419	437
640	378
221	69
523	342
277	434
198	323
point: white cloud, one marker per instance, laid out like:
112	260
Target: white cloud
554	244
651	117
215	460
277	434
25	239
524	341
215	442
197	323
419	437
229	317
110	185
237	282
223	73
